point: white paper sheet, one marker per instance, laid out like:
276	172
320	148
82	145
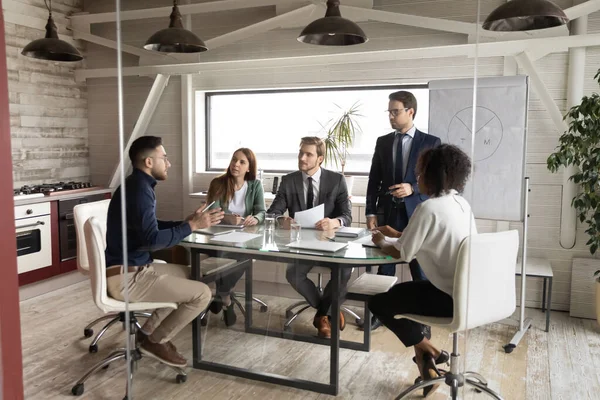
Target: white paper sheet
308	218
234	237
365	241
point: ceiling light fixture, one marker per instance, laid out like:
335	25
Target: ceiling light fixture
525	15
51	48
175	38
333	30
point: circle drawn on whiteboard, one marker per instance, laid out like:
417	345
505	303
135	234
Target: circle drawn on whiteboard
488	132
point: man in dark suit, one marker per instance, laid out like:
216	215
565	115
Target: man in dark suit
305	189
392	191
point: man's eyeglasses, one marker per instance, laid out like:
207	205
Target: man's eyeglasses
165	158
396	111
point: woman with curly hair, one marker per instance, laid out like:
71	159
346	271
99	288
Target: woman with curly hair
433	235
241	196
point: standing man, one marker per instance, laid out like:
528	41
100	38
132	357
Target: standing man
392	191
303	190
144	233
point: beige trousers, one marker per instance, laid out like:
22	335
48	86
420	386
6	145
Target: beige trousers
168	283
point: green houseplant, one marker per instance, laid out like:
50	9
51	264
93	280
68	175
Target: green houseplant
579	146
341	133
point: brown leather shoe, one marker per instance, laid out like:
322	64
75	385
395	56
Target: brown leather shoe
163	353
342	321
323	326
140	337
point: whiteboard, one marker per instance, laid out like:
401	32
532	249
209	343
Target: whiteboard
495	189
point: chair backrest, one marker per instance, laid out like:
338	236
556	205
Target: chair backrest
484	281
95	239
81	213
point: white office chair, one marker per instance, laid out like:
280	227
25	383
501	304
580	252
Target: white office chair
95	235
82	212
484	292
291	315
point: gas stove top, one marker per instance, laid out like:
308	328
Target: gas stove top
30	191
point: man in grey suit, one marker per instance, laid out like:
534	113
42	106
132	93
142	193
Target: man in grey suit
305	189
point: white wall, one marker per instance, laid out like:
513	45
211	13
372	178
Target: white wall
545	203
48	109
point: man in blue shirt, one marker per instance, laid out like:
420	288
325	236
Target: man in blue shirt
144	233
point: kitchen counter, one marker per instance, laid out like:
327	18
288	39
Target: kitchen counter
269	197
66	196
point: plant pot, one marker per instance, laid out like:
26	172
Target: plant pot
349	183
598	301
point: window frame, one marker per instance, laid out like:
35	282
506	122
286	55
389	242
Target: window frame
207	117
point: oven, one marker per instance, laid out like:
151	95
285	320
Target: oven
66	224
34	239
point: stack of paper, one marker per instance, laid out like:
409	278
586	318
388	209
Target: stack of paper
308	218
349	232
365	241
317	245
234	237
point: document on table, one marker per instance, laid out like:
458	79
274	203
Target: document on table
366	241
234	237
308	218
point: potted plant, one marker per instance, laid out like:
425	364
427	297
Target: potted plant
340	139
580	147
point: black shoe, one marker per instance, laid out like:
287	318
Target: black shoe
216	305
443	358
375	323
229	315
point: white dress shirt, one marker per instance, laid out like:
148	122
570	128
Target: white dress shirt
407	139
434	234
316	179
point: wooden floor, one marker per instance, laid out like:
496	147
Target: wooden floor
561	364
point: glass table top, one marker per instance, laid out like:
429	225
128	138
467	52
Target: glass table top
277	241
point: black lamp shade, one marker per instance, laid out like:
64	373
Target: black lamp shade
175	38
51	47
333	30
525	15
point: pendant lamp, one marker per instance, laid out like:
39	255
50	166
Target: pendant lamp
175	38
51	48
525	15
333	30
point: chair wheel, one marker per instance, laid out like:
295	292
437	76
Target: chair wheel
288	314
77	390
88	332
93	348
204	321
106	366
264	308
358	321
509	348
287	328
181	378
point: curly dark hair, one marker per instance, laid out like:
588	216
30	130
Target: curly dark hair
443	168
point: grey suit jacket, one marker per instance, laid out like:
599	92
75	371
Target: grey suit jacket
333	193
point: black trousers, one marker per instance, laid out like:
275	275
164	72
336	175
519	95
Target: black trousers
226	283
420	298
297	276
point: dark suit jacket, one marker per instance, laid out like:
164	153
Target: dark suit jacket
333	193
381	176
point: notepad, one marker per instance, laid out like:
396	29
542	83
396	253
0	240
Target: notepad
349	232
235	237
317	245
214	230
366	241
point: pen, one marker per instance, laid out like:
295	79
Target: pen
208	206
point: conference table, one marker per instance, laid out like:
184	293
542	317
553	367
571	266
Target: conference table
272	245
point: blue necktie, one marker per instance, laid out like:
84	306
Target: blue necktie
399	176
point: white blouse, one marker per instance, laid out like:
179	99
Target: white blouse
237	205
434	234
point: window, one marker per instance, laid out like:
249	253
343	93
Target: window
271	123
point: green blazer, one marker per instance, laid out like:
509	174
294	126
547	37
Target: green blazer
255	201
